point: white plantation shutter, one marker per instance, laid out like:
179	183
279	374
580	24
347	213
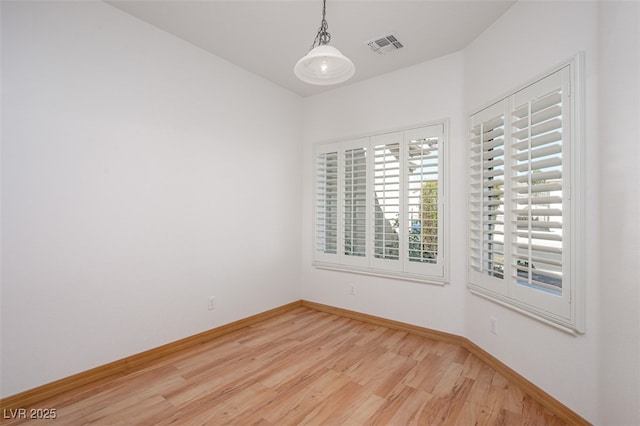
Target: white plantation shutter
541	135
387	187
380	202
326	203
354	202
537	191
424	216
523	163
487	218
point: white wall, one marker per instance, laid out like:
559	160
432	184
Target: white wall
139	176
619	156
532	37
422	93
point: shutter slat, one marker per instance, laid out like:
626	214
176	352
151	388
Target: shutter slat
539	248
539	165
538	129
493	153
542	176
539	260
540	152
487	165
544	139
523	224
492	134
538	200
538	212
549	187
540	236
493	183
493	144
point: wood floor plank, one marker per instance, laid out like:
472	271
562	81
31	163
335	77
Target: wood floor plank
452	375
407	414
306	367
433	412
392	404
335	406
436	371
397	374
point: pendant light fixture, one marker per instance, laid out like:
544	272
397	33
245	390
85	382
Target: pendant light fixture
324	65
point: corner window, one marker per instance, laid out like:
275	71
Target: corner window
524	200
381	205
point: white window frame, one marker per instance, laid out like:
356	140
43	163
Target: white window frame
493	272
401	268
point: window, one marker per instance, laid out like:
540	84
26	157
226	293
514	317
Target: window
380	204
524	196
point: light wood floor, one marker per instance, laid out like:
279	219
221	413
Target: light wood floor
306	367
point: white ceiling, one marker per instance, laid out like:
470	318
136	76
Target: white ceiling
267	37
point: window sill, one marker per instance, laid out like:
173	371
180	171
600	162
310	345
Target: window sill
526	310
422	279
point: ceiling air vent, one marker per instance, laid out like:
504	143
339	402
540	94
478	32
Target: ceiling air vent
385	44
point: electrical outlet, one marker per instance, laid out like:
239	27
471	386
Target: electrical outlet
211	303
353	290
493	325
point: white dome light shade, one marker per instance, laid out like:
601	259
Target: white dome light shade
324	65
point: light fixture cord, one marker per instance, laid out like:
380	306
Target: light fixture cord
323	36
